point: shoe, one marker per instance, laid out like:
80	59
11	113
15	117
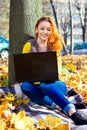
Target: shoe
80	106
78	119
72	92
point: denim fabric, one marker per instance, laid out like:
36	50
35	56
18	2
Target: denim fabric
48	94
59	85
68	107
35	95
56	91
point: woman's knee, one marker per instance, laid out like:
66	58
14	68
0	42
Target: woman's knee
58	86
25	86
61	86
30	88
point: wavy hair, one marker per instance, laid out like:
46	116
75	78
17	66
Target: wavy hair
55	41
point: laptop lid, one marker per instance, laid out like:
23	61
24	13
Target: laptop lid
35	66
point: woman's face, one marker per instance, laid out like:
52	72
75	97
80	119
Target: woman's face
44	30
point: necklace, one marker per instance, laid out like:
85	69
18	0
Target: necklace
42	47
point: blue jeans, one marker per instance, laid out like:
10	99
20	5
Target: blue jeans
48	93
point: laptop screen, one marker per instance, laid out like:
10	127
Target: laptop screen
35	66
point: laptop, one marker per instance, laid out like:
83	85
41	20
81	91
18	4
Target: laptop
35	67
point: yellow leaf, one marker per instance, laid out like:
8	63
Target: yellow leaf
49	122
21	121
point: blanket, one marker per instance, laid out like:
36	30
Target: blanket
37	112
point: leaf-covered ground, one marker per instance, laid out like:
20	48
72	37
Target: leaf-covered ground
3	72
74	73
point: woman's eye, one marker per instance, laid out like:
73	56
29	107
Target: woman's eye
42	28
48	29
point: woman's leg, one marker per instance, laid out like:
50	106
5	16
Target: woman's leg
55	94
57	91
35	95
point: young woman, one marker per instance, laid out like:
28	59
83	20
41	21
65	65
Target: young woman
50	94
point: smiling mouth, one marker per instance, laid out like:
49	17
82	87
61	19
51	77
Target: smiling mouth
45	36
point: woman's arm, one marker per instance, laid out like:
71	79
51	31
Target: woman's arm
26	47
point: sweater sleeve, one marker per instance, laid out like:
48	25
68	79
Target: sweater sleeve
26	47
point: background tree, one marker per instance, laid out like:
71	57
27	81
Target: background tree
65	25
54	12
82	9
71	24
86	23
23	15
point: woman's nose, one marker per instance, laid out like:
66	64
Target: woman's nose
45	31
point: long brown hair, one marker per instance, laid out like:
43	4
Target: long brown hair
56	40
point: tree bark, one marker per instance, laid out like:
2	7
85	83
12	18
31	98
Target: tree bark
71	31
23	15
54	12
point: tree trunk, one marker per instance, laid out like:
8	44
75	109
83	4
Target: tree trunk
23	15
71	31
54	12
86	23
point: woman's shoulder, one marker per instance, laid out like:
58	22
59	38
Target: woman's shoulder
26	47
30	46
33	42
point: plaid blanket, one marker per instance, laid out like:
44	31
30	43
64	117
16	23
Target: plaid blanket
39	112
